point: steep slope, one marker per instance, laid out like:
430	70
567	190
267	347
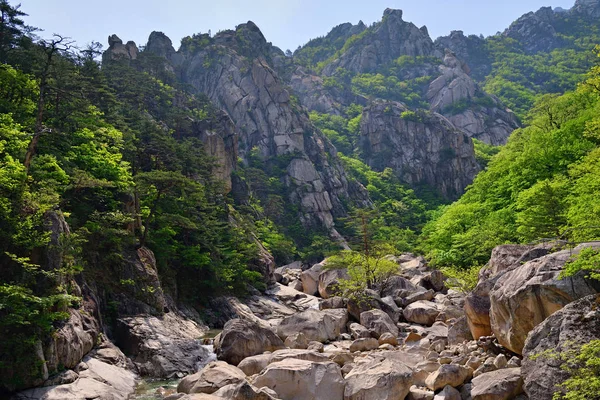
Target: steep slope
547	51
422	148
395	60
236	70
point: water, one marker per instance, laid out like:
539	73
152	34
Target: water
149	389
155	389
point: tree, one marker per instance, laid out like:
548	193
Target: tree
12	28
51	50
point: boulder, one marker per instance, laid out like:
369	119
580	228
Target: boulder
245	391
575	324
421	295
328	281
458	331
477	309
448	393
316	346
503	258
254	364
98	380
421	312
504	384
397	286
364	345
448	374
388	338
417	393
526	295
211	378
162	347
333	302
307	355
433	280
296	341
302	380
340	316
381	379
379	322
316	326
241	339
310	279
358	331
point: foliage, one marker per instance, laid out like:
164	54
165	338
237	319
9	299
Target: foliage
587	260
540	184
484	152
365	271
583	366
462	279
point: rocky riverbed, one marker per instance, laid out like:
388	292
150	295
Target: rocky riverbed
412	338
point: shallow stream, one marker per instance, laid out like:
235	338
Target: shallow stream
157	389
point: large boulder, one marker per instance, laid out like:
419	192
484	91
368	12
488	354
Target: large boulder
241	339
211	378
310	279
504	384
94	380
422	312
294	379
316	326
504	258
381	379
448	374
254	364
459	332
564	331
288	354
378	322
526	295
397	286
245	391
162	347
329	280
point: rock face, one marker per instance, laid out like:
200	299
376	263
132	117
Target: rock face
387	41
527	295
421	148
504	384
220	140
576	324
378	379
119	51
237	71
241	339
162	347
302	380
535	30
484	117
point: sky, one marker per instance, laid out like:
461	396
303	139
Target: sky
285	23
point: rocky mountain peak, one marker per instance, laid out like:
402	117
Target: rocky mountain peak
587	7
535	30
390	12
160	44
119	51
382	43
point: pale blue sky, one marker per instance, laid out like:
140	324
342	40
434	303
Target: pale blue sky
286	23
